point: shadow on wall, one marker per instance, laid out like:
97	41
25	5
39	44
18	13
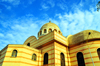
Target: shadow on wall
3	53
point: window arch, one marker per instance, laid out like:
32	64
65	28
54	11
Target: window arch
45	58
45	30
80	59
55	30
14	53
34	57
98	51
62	58
28	44
50	30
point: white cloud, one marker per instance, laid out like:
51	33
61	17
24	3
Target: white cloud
62	6
47	4
18	27
44	6
19	30
1	35
51	2
14	2
78	21
8	7
10	36
31	1
81	3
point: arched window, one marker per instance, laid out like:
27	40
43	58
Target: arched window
34	57
50	30
62	58
55	30
28	44
59	31
40	32
80	59
45	58
98	51
14	53
45	30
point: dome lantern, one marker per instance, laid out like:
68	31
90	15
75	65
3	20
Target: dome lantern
49	21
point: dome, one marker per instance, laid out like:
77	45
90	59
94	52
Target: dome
47	28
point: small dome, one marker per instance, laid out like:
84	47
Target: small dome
47	28
50	25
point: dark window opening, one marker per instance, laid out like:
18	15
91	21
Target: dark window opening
59	32
14	53
34	57
55	30
45	58
98	51
62	59
40	32
45	30
50	30
80	59
28	44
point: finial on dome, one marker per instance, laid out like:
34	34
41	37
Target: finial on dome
49	21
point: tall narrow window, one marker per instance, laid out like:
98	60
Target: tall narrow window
80	59
28	44
62	58
45	58
45	30
14	53
34	57
98	51
50	30
59	31
0	55
40	32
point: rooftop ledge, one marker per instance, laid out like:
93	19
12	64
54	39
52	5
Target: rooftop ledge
70	40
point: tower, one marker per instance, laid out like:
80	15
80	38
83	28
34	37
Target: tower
54	45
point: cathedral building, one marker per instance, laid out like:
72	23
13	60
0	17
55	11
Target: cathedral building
53	49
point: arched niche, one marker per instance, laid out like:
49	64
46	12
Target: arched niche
80	59
45	58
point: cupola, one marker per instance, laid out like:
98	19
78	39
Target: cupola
47	28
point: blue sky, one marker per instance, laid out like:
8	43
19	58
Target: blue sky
20	19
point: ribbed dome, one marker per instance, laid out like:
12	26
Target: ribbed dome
47	28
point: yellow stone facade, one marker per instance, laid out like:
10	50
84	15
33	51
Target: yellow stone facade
51	46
